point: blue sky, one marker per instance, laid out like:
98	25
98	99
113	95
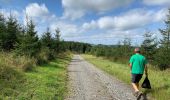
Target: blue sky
92	21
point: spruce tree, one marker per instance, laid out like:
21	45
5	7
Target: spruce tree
126	47
149	46
2	30
46	39
57	45
29	42
57	35
9	34
47	50
163	55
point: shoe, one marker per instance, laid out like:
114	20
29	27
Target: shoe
139	95
142	97
136	94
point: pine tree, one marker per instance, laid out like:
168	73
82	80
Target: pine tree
29	42
163	55
9	37
57	45
126	47
57	35
47	51
149	46
2	30
46	39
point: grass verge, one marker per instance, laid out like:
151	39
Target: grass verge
46	82
160	80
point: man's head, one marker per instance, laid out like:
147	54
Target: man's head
137	50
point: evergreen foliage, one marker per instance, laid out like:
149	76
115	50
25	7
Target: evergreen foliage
163	54
29	42
25	41
9	30
149	46
2	31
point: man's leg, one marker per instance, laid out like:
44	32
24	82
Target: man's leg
137	93
135	81
135	86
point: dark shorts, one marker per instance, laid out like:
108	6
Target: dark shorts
136	78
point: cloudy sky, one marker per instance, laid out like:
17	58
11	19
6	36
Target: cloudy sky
92	21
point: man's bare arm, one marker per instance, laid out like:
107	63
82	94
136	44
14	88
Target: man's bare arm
130	65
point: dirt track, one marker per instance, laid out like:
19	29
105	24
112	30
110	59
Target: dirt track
86	82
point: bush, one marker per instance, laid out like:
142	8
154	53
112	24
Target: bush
44	56
23	63
11	81
162	59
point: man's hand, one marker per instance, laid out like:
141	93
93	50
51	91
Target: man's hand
130	65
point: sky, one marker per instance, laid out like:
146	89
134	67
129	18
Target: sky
92	21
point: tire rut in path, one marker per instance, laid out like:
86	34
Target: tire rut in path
86	82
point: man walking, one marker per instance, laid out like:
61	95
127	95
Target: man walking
138	65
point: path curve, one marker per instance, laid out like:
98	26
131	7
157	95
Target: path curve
86	82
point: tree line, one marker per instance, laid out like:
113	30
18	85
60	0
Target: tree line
23	40
157	51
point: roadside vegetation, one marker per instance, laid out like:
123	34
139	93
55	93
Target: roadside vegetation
160	80
32	66
114	59
47	82
156	50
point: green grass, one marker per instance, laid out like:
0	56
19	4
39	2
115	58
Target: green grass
160	80
46	82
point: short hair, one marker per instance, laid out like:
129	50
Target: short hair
137	50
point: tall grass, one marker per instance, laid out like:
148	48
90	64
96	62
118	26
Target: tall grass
23	63
45	82
160	80
48	82
11	81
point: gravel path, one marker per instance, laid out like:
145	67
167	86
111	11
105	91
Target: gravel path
86	82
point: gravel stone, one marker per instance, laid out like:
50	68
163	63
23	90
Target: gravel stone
86	82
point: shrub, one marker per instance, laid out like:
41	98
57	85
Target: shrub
44	56
23	63
11	81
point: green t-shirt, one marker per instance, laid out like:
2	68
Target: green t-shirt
138	63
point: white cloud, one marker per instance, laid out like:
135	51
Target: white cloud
39	12
111	29
7	13
130	20
161	15
106	22
72	14
36	10
43	18
67	29
76	9
40	15
91	25
106	29
110	37
156	2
